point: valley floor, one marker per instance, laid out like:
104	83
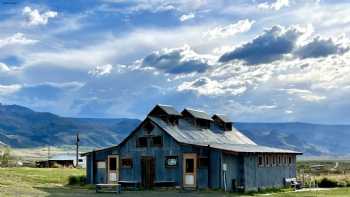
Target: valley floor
39	182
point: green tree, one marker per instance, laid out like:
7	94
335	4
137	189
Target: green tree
5	158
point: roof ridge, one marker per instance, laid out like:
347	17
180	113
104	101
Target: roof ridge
198	110
159	104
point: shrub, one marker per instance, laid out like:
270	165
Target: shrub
76	180
327	183
347	182
342	183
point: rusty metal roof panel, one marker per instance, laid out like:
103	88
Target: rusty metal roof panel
198	114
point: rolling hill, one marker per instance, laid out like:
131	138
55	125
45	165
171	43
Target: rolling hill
22	127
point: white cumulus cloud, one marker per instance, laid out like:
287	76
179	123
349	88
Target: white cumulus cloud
17	38
101	70
34	17
277	5
230	30
186	17
306	95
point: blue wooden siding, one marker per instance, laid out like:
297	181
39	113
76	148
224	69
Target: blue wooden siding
266	177
202	172
241	167
170	148
234	170
93	174
89	173
215	169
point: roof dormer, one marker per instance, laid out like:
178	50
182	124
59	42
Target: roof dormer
198	118
222	121
165	112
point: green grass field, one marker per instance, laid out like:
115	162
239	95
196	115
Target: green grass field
53	182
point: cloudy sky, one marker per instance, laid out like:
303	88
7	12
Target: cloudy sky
257	60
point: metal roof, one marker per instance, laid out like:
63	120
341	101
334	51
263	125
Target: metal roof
198	114
233	140
169	109
248	148
63	157
223	118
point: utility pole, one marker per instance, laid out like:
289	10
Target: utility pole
77	150
48	156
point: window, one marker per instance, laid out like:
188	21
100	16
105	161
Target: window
203	162
285	159
148	127
279	160
274	160
290	160
171	161
174	120
267	163
127	163
101	164
260	161
80	160
189	165
112	163
157	141
141	142
204	124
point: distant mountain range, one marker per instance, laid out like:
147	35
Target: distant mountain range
22	127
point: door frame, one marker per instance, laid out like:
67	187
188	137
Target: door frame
151	173
194	157
115	171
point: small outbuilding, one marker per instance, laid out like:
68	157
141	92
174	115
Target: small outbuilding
61	160
190	150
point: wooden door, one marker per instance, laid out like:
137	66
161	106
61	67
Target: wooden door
113	169
189	169
147	172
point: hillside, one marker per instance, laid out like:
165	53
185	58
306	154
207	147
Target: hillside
312	139
22	128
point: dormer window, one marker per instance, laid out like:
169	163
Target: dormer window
222	122
174	120
166	113
198	118
204	124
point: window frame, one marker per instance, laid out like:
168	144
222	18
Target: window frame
171	157
290	160
267	162
199	162
157	145
274	160
279	160
126	166
138	145
262	161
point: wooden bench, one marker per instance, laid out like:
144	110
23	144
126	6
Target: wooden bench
164	183
113	188
130	184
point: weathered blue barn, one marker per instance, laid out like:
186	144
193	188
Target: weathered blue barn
190	150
